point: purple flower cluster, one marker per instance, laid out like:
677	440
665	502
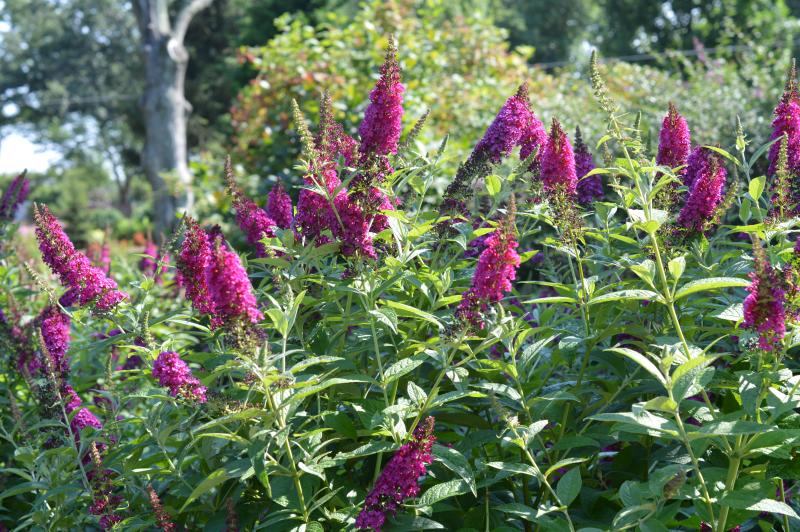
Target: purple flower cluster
55	326
380	131
764	310
674	141
214	278
231	290
173	373
706	178
13	197
85	283
787	122
513	124
193	263
558	162
279	207
399	480
496	269
84	417
254	221
589	188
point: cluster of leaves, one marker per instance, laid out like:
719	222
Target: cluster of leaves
614	389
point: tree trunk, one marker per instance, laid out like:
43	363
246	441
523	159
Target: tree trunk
165	109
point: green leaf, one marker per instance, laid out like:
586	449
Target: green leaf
642	360
756	187
407	310
415	393
520	469
387	317
563	463
626	295
732	428
676	267
711	283
493	185
455	462
742	500
443	491
400	368
234	469
687	373
524	511
569	486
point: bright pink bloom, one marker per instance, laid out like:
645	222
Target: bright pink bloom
193	263
674	141
787	122
254	221
558	162
279	207
399	480
85	282
14	196
173	373
380	131
513	124
496	269
764	310
55	327
589	188
707	175
230	287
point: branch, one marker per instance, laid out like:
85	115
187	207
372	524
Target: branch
185	18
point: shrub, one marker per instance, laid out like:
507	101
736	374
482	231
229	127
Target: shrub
506	358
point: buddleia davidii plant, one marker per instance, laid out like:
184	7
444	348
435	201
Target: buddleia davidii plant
684	373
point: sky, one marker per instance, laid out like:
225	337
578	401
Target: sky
18	153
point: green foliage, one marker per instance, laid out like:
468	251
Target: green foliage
614	387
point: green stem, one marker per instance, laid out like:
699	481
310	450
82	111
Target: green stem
295	473
435	388
730	483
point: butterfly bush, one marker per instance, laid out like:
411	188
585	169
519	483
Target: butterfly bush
595	356
13	196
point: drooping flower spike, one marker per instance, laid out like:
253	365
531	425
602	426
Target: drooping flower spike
399	480
589	188
193	263
230	288
253	220
55	328
764	306
279	207
513	124
494	273
174	374
85	283
707	175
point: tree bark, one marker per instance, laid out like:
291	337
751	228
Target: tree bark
165	109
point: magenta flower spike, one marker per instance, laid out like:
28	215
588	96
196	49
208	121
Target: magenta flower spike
230	288
674	141
513	124
55	329
707	176
787	122
13	196
173	373
85	283
764	310
382	125
558	162
279	207
193	263
399	480
589	188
